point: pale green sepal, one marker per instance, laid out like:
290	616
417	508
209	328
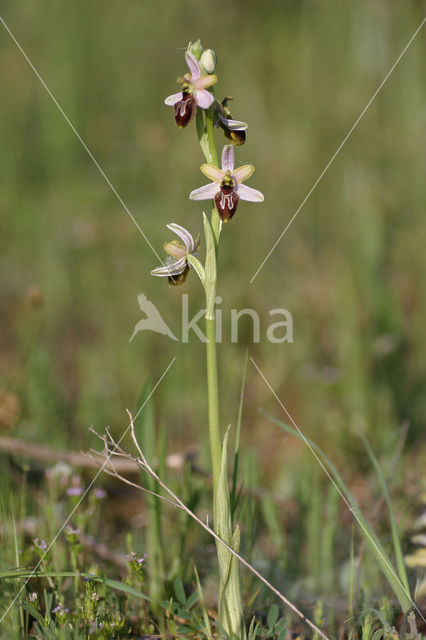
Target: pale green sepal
196	48
230	603
210	269
194	262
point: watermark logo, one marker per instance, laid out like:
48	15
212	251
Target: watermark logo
279	328
153	321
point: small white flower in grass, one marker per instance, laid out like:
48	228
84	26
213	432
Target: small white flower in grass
227	188
176	267
194	92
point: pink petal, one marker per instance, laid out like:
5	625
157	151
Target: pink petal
184	235
247	193
204	193
205	81
243	173
228	157
233	125
172	269
204	98
193	65
212	172
175	97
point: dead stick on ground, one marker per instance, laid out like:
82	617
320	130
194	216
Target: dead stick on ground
42	453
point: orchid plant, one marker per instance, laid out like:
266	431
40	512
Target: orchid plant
196	99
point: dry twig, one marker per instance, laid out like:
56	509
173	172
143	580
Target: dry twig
111	446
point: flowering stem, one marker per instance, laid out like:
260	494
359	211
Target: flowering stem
230	602
205	133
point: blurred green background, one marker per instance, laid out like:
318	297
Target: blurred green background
351	269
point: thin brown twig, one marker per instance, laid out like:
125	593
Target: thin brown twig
143	464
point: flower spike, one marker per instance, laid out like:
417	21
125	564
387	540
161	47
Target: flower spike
227	189
177	267
194	92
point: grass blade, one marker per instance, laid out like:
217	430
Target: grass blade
372	540
395	535
237	437
109	582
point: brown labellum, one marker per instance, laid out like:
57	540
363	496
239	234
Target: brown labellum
226	201
179	278
185	109
236	137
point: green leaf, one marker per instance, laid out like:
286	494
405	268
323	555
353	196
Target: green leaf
203	137
194	262
31	610
230	609
272	617
47	631
192	600
184	628
281	625
114	584
210	269
179	590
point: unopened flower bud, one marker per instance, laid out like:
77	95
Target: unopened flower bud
209	60
196	48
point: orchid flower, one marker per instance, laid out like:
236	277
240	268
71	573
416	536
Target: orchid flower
234	130
227	190
194	92
176	267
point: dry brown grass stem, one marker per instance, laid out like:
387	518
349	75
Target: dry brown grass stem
111	446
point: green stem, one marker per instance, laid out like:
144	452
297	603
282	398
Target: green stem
213	402
230	603
210	151
210	135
